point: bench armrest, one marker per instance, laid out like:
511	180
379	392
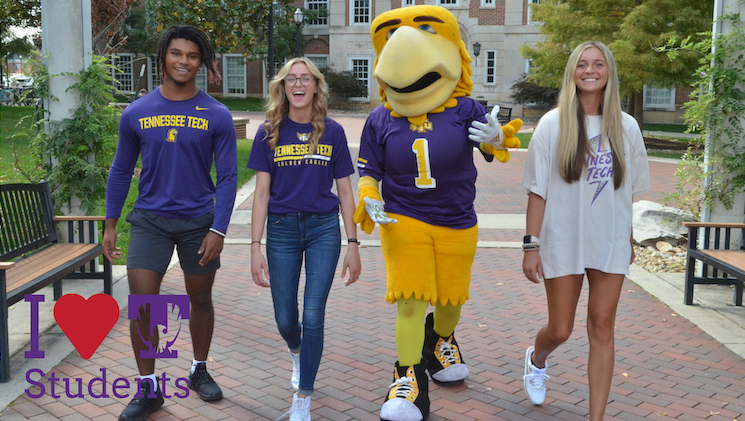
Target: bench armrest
6	265
714	225
67	218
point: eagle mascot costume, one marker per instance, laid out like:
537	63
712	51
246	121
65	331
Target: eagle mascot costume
420	144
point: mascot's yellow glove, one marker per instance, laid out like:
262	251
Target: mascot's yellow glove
510	141
368	187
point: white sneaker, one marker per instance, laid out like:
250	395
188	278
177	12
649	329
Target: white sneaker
534	380
300	410
295	380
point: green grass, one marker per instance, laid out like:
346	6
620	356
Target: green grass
16	128
243	104
524	139
674	128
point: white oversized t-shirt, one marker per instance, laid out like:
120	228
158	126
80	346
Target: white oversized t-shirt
586	224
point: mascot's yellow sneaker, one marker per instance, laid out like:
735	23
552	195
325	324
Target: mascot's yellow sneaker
408	397
446	366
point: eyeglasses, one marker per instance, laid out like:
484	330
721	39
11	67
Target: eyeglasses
304	80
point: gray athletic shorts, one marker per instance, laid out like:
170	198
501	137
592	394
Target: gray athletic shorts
152	238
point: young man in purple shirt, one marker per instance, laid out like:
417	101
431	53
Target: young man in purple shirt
177	130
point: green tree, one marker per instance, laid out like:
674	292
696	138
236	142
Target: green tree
635	30
232	25
11	45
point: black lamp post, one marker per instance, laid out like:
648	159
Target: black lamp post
298	17
476	48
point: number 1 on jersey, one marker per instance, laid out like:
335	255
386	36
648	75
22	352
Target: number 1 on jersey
421	150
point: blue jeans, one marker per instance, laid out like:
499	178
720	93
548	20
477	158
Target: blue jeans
288	236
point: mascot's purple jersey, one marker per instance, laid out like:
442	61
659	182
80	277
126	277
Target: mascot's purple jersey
427	171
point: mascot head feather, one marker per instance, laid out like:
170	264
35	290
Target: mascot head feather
421	63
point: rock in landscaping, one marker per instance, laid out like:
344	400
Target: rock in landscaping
654	222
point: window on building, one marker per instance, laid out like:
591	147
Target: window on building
360	11
530	67
320	6
446	3
202	78
487	3
234	81
154	77
490	67
360	68
405	3
123	71
321	61
659	98
531	6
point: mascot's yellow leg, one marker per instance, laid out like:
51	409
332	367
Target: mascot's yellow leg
410	330
446	318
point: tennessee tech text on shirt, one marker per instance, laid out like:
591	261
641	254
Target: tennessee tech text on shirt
295	153
170	120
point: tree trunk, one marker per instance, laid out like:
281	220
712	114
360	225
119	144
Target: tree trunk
639	108
630	104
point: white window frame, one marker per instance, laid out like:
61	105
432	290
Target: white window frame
322	56
316	5
226	77
530	17
488	4
490	63
202	78
361	19
407	3
670	105
118	76
368	80
153	79
448	3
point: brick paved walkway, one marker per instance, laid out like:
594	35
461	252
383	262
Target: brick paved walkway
666	368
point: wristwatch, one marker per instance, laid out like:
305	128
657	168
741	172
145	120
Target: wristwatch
529	239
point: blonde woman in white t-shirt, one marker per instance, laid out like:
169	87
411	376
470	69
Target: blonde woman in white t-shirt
586	160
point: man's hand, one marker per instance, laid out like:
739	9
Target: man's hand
211	248
110	250
490	133
375	210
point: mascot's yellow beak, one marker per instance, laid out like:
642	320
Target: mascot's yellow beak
421	60
414	79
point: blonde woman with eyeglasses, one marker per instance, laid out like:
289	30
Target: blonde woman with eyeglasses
585	161
298	153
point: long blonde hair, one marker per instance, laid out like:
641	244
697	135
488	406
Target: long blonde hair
278	106
573	144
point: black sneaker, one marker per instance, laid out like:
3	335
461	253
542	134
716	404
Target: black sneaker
408	396
139	407
446	366
202	382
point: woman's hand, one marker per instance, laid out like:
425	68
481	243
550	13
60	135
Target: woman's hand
352	262
259	268
532	266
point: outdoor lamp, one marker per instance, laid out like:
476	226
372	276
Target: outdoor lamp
298	17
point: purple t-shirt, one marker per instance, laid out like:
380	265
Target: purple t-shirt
177	141
427	171
301	181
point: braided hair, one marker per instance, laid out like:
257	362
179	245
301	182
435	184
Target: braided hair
195	35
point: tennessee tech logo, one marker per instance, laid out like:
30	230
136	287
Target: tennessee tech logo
303	137
171	136
426	127
156	306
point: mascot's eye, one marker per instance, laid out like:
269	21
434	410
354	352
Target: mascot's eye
390	33
427	28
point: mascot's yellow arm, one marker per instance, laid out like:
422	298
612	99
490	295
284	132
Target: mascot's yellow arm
368	187
510	141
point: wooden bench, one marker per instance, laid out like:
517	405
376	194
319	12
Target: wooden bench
32	257
731	263
504	115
